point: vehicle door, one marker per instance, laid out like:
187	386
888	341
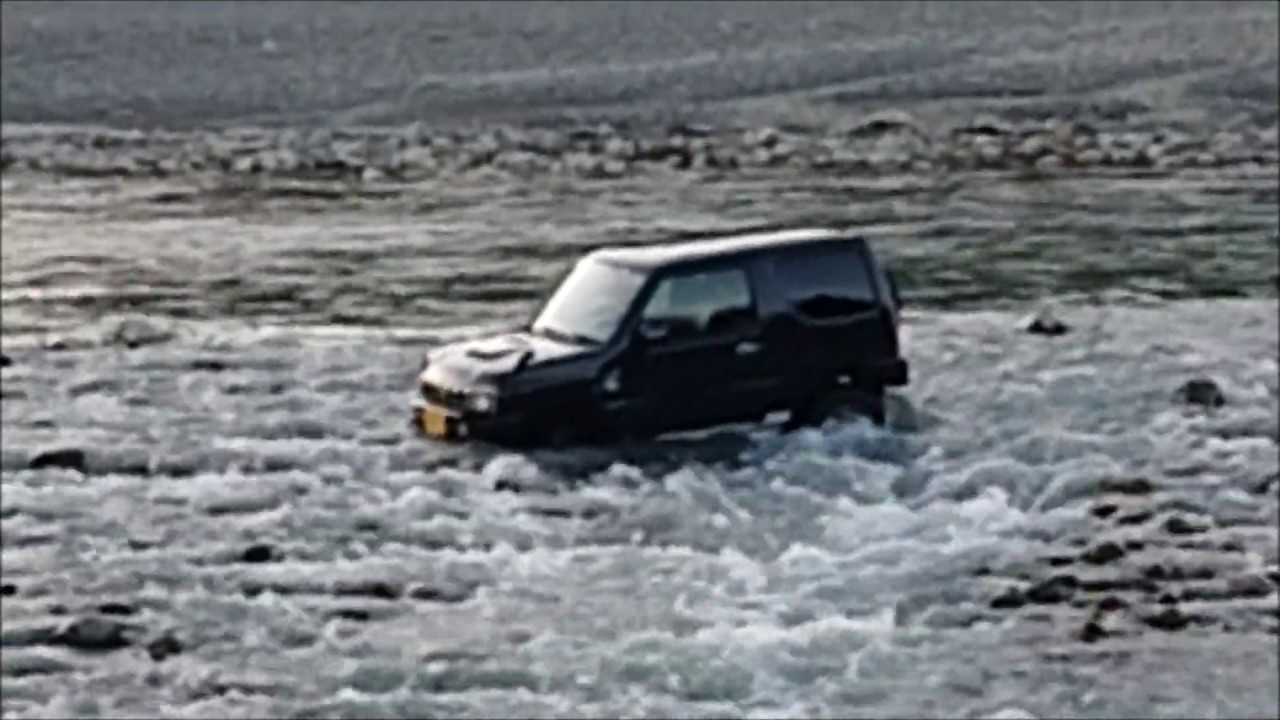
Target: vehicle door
699	336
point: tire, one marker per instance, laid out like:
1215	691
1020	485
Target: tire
827	403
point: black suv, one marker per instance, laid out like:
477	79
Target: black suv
641	341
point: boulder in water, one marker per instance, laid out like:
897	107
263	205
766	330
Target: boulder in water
1203	392
69	458
1046	323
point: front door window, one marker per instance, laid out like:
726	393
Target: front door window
705	305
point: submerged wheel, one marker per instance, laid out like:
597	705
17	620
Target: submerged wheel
828	403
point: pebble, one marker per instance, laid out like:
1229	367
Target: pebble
1010	599
1203	392
1168	619
164	646
1180	525
259	553
1057	589
1102	554
1126	486
117	608
1046	323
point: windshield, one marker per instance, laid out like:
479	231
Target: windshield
590	303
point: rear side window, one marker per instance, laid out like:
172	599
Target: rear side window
706	304
825	284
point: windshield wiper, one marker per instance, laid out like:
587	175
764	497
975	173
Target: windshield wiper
565	337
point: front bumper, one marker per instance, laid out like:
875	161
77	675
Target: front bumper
442	423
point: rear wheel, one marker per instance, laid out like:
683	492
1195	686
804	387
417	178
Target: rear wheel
836	400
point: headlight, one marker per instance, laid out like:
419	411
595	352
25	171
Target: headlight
482	402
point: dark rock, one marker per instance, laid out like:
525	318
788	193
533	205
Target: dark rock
1092	632
1202	392
117	608
505	485
8	590
1274	575
1249	586
1008	600
1102	554
1105	510
5	360
352	614
259	553
374	589
208	365
368	525
1112	603
1057	589
94	634
1168	599
432	593
163	647
1044	323
1179	525
982	571
1168	619
1134	545
70	458
1126	486
1118	585
1263	486
1231	546
1060	561
1134	518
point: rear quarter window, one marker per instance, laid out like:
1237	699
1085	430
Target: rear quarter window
827	284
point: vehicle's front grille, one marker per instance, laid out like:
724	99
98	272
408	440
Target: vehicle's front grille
444	397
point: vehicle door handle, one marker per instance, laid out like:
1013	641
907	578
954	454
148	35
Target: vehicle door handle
747	347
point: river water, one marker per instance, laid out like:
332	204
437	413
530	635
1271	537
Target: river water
224	354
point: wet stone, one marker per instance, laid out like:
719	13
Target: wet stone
1181	525
1060	561
117	608
69	458
5	360
350	614
1112	603
446	594
1058	589
1134	545
1168	599
1169	619
1103	554
1092	632
1105	510
1126	486
374	589
1202	392
94	634
1010	599
1045	323
164	646
8	590
1249	586
259	553
1134	518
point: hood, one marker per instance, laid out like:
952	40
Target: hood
472	361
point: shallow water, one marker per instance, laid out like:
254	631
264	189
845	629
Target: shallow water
222	331
239	375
